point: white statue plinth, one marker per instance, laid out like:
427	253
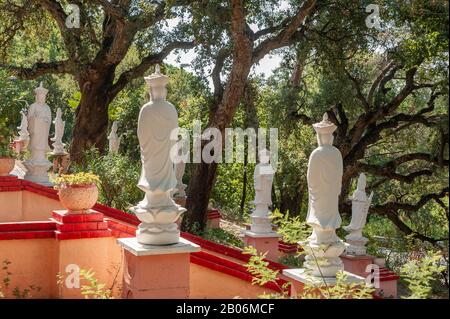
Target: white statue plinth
39	120
182	247
356	247
157	211
303	276
355	241
324	176
261	224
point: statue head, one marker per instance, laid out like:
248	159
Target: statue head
41	93
324	130
157	83
361	182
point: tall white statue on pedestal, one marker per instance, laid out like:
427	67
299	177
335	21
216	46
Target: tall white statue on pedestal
157	211
360	207
324	176
58	145
263	179
39	120
114	140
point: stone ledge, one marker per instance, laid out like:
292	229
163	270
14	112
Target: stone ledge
253	234
305	278
182	247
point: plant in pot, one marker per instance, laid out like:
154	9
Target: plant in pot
77	192
7	154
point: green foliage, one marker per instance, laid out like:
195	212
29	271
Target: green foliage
16	291
420	273
292	229
93	289
223	237
118	176
261	273
6	136
342	289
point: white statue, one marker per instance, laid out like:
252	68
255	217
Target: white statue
114	140
360	207
39	121
157	211
263	179
24	136
324	176
58	145
179	172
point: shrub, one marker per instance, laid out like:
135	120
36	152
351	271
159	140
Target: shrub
420	273
5	140
291	229
119	178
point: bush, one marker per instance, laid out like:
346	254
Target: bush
118	175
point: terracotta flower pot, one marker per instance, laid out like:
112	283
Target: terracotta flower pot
6	165
78	198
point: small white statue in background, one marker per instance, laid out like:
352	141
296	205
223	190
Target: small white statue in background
179	172
21	142
360	207
263	179
58	145
39	120
23	128
114	139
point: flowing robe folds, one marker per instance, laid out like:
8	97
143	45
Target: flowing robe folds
156	121
39	121
324	176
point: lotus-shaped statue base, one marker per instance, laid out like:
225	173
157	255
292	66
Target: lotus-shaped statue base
158	225
323	259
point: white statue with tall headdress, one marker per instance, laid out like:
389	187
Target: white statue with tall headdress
157	211
39	121
114	139
325	169
360	207
58	145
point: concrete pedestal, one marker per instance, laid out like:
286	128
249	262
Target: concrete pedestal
156	272
263	242
357	264
299	278
213	219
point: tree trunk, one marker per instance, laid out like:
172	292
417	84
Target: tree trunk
91	115
244	183
198	195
